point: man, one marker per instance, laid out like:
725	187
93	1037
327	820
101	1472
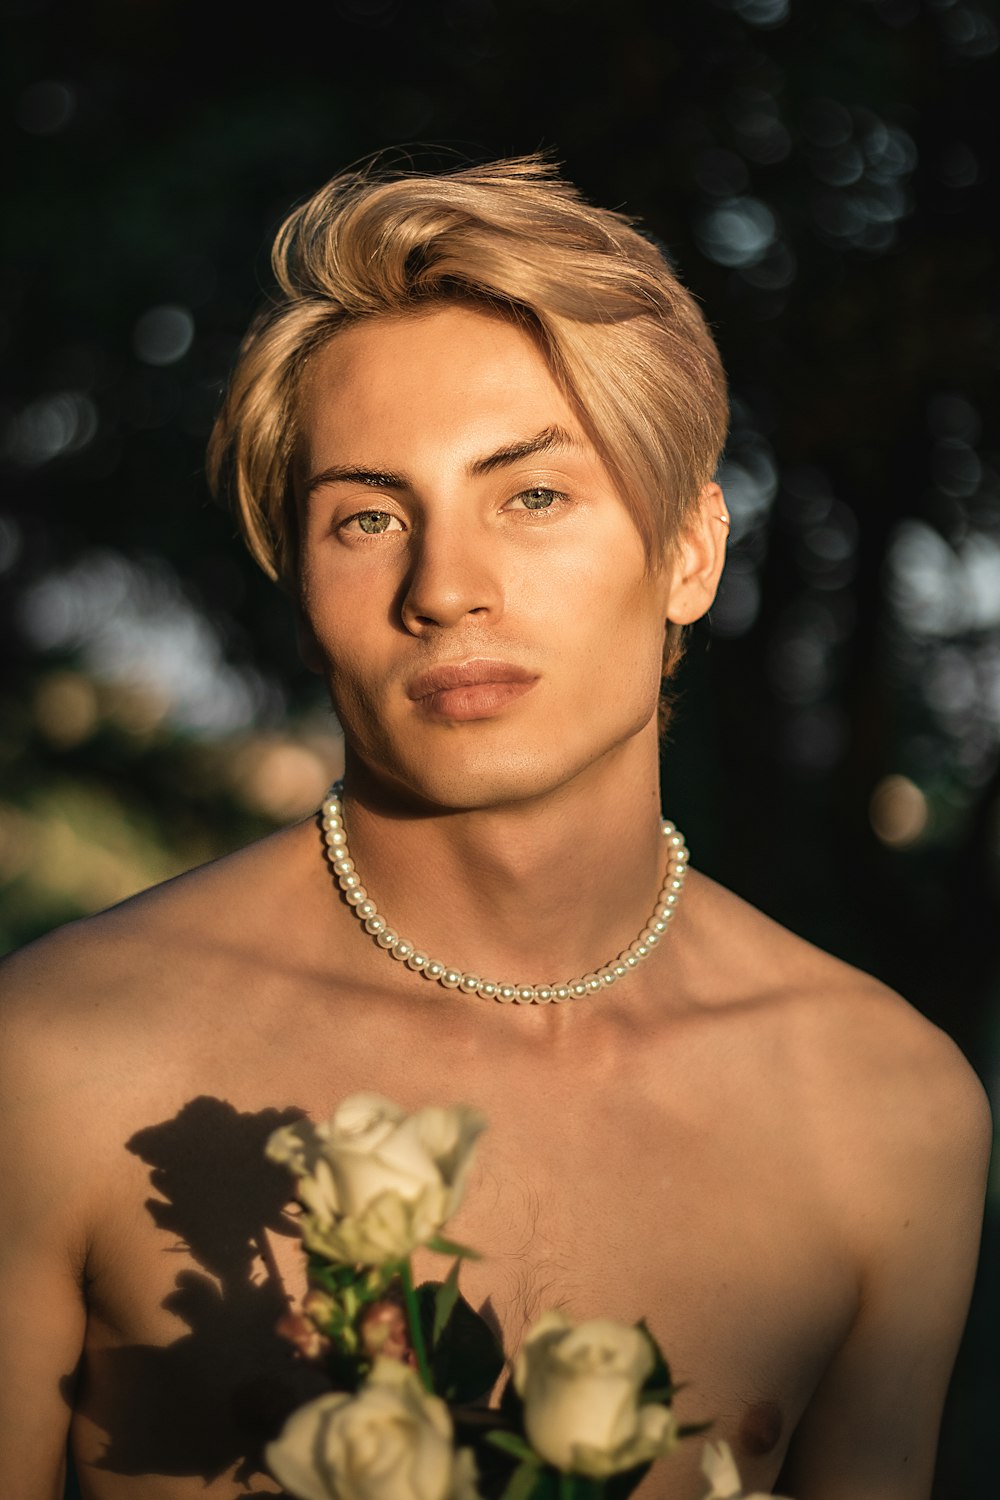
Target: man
475	436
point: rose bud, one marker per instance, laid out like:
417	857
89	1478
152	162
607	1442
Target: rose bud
306	1337
383	1331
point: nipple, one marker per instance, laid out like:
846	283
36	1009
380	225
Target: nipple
761	1428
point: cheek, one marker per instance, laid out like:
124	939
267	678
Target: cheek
618	620
346	612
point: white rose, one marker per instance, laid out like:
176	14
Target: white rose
719	1468
580	1386
377	1182
391	1441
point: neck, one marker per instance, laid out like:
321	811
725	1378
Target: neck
535	891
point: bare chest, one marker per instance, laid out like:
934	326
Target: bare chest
602	1187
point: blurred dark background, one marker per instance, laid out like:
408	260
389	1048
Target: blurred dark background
824	173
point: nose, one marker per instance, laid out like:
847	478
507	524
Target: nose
453	575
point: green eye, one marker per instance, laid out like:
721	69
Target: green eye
538	499
373	521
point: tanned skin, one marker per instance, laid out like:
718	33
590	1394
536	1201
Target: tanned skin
772	1158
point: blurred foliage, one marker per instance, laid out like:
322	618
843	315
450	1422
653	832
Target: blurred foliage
823	173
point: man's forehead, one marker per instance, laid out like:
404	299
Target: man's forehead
475	382
388	340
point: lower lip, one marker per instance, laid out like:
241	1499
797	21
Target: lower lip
477	700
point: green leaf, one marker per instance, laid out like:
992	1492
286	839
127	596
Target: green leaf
324	1277
345	1373
617	1486
662	1395
659	1376
451	1247
694	1429
444	1302
580	1487
467	1360
530	1481
510	1442
511	1405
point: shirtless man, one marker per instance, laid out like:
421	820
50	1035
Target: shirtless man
476	435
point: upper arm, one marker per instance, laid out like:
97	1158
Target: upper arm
916	1184
42	1316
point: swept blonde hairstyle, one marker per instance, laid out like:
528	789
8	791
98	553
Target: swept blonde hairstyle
624	339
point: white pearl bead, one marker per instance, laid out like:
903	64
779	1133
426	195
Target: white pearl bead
335	839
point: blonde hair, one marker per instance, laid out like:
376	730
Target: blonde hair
622	336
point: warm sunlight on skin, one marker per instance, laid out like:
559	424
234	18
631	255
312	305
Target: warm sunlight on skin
454	512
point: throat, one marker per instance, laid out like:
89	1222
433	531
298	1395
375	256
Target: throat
482	982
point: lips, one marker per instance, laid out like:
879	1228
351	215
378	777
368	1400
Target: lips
470	690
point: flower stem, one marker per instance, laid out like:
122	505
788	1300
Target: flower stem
413	1318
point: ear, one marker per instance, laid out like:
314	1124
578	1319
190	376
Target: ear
699	557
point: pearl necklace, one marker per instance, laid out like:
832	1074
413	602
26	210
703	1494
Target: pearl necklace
388	939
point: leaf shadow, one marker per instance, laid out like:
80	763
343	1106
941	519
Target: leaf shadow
210	1400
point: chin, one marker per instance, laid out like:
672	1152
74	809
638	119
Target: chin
461	775
464	784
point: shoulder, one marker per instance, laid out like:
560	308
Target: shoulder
88	989
879	1091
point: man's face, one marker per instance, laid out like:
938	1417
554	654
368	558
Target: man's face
475	587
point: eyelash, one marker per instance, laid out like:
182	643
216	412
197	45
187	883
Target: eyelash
369	511
558	497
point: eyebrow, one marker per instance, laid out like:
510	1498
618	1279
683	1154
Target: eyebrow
546	441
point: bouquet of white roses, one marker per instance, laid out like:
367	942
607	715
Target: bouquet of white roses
586	1411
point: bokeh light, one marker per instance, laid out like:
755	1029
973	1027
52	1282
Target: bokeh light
899	812
163	335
